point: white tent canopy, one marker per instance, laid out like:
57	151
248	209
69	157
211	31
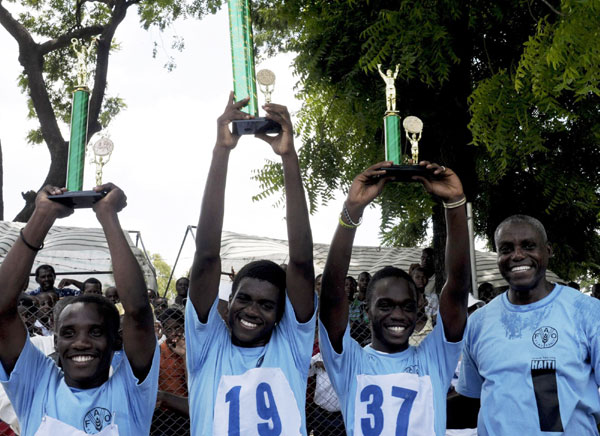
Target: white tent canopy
238	249
74	252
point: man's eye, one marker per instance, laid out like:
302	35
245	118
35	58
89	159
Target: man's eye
67	333
505	250
268	306
96	332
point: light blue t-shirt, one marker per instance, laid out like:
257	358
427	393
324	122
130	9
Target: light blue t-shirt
36	387
247	391
396	393
536	367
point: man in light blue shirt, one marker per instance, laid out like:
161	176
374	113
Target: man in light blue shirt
389	387
248	376
80	396
533	353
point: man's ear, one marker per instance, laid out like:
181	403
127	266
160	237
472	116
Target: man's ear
118	343
550	251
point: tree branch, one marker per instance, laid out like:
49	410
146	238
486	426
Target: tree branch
16	29
102	56
65	40
557	12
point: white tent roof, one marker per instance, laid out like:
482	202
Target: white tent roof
74	250
238	249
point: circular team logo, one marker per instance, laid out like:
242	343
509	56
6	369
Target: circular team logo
96	419
545	337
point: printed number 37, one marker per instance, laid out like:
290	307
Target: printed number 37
373	426
266	410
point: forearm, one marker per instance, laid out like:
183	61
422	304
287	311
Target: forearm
334	311
206	269
457	252
126	270
298	223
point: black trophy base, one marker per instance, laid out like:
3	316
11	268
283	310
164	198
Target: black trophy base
254	126
78	199
405	173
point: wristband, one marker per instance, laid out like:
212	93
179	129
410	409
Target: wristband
31	247
455	204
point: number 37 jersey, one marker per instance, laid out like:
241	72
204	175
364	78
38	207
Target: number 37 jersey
392	394
237	391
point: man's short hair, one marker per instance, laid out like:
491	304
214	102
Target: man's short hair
525	219
45	266
389	271
93	281
267	271
106	308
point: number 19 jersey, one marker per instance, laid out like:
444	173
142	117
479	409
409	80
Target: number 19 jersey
236	391
392	394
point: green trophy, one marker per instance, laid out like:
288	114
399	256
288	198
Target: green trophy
391	126
244	77
75	197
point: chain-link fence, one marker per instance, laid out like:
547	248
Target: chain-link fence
171	417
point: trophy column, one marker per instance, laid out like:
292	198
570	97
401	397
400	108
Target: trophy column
79	118
244	77
391	126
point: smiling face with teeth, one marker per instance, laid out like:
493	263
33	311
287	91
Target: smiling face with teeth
523	254
253	311
84	345
392	311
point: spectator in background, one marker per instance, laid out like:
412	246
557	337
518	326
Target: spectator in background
171	417
486	292
318	284
424	324
45	278
152	295
160	304
92	286
46	302
28	311
113	296
181	287
325	418
363	282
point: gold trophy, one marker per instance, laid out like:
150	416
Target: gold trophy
413	127
102	149
266	83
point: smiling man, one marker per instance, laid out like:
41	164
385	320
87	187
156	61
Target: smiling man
79	398
249	377
533	353
389	387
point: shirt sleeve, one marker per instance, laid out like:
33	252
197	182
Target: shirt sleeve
141	397
200	336
300	336
341	367
469	380
31	371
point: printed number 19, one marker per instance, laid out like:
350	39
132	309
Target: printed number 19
374	394
266	409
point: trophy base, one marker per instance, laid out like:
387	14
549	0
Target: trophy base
255	125
405	173
78	199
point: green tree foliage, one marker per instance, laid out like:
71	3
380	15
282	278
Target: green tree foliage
49	66
163	272
508	92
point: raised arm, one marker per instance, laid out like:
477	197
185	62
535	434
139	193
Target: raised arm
334	302
15	271
300	276
453	301
383	76
139	340
206	269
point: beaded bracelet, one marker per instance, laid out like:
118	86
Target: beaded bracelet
349	218
345	224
